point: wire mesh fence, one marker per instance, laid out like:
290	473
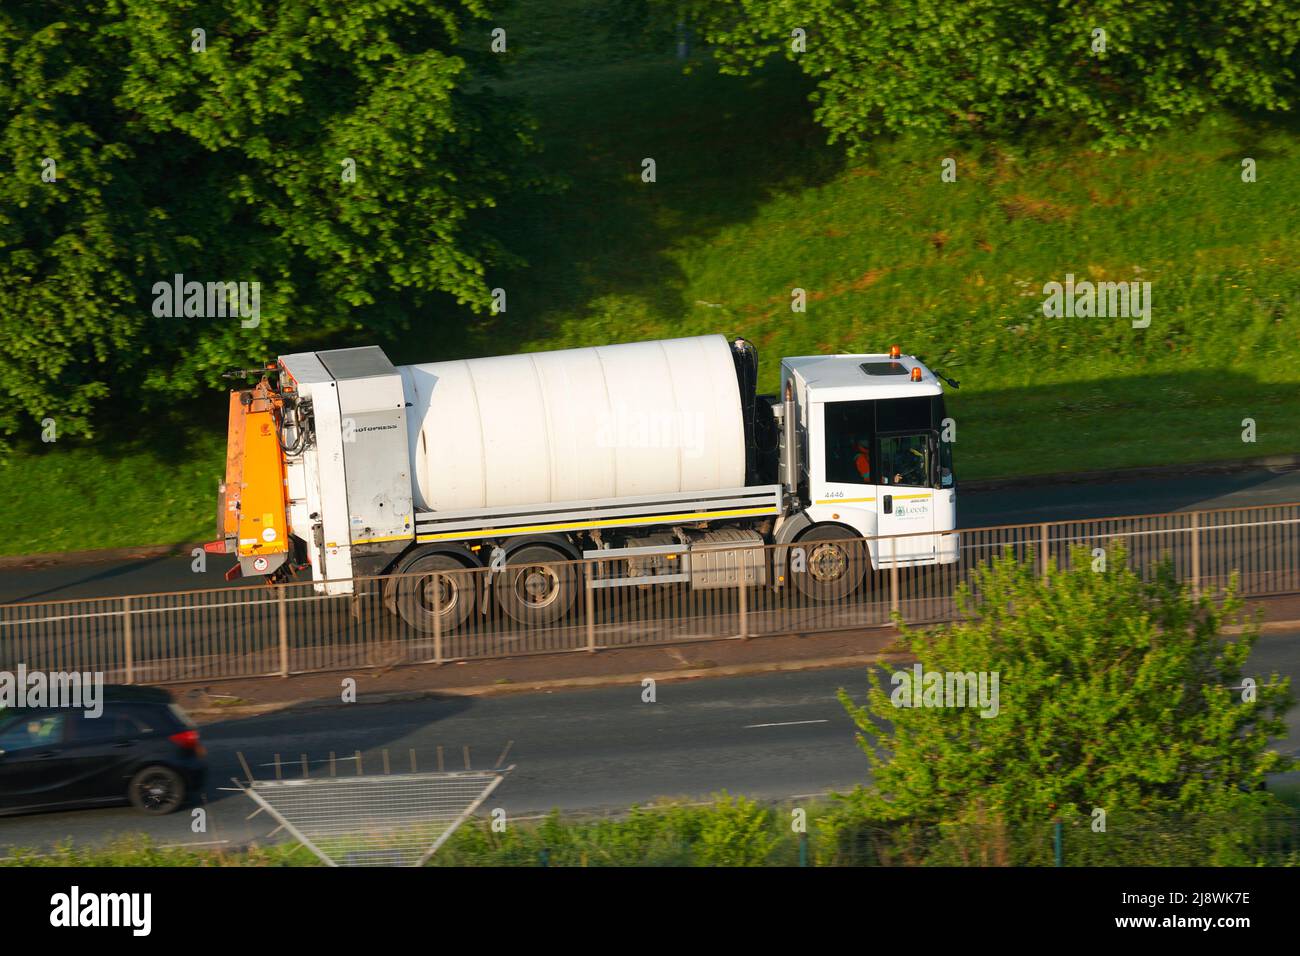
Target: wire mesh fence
355	818
392	820
262	631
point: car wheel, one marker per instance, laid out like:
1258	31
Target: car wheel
156	790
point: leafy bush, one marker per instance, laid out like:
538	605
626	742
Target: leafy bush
658	836
736	832
1254	830
1113	694
732	831
142	851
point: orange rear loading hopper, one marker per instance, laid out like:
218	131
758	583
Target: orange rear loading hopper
252	520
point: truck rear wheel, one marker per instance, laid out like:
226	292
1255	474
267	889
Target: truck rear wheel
451	594
537	586
832	566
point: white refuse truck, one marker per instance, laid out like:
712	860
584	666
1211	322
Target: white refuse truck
657	457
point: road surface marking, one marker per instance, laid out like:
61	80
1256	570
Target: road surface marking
787	723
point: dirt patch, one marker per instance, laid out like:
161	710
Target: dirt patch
862	282
1022	206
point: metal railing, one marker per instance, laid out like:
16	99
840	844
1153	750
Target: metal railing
254	630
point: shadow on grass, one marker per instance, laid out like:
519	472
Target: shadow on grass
721	147
1122	422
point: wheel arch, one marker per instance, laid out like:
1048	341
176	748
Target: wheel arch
789	529
795	528
849	532
558	541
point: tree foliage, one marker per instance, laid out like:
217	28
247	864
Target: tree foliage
887	66
1113	694
227	164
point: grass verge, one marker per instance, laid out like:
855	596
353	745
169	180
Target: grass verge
735	832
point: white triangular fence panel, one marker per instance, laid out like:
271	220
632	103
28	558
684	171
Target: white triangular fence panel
389	820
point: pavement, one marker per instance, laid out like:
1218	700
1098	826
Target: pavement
683	661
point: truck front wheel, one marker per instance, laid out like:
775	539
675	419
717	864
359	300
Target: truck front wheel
423	595
828	567
537	586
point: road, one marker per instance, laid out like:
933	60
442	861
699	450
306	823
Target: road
772	736
976	509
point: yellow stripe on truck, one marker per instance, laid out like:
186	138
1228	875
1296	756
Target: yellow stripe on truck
389	537
615	522
840	501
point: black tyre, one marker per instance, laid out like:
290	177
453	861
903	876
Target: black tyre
832	567
436	586
156	790
537	586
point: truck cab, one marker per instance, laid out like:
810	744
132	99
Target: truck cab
875	453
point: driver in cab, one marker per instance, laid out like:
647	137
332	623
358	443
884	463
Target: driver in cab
910	470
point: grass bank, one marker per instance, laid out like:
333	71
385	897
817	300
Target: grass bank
750	203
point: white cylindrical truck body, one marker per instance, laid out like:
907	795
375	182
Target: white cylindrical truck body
645	418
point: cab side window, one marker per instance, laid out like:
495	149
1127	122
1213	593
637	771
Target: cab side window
905	460
849	433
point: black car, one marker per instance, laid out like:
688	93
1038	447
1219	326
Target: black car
142	749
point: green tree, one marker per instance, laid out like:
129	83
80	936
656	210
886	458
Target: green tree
887	66
223	156
1113	693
